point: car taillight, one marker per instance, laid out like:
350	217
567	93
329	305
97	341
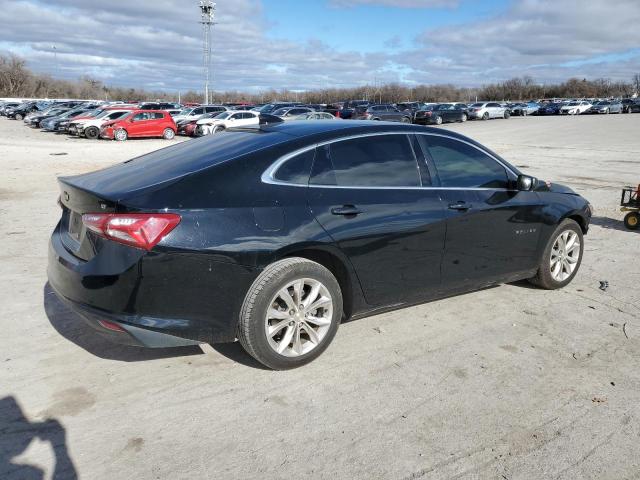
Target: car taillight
140	230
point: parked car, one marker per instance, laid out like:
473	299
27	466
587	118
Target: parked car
90	128
269	108
633	107
159	106
289	113
387	113
487	110
61	122
315	116
606	106
6	106
523	109
194	113
351	108
224	120
140	123
441	113
551	108
575	108
22	110
274	235
35	118
625	105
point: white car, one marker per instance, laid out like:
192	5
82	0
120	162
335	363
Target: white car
575	108
315	116
189	114
90	127
229	119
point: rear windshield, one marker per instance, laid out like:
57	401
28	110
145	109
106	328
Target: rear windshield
174	162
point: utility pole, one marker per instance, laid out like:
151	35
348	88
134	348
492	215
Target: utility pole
207	12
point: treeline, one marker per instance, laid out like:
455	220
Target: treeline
16	80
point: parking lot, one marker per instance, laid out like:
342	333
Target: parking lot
510	382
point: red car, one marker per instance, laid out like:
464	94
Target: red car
140	123
189	129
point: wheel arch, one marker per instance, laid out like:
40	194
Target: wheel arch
340	267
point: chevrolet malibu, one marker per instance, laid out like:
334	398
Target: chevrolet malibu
274	234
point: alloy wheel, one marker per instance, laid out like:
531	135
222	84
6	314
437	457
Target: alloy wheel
299	317
565	255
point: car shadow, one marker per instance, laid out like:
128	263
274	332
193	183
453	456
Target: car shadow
18	433
235	352
72	327
611	224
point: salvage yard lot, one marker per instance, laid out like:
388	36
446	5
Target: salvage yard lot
510	382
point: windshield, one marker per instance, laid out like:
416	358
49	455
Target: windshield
186	111
281	111
573	104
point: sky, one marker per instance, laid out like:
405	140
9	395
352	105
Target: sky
312	44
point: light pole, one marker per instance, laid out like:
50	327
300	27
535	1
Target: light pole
207	12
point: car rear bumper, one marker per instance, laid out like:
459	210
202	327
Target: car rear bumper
159	299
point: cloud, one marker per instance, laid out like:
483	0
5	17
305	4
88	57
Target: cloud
396	3
157	44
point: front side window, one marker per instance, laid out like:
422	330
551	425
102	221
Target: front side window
376	161
460	165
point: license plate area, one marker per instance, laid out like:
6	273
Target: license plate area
75	226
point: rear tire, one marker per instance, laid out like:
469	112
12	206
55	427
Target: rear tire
92	133
567	255
18	116
464	118
264	309
632	220
168	134
438	120
485	116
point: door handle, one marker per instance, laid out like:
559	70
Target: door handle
346	210
460	206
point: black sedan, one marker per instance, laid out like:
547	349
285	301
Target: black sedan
442	113
275	234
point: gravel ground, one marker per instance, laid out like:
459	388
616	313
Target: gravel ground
506	383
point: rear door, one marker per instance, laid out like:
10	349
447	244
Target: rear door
492	229
367	192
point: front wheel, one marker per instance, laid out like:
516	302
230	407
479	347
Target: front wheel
290	314
406	120
168	134
506	115
121	135
632	220
19	116
561	258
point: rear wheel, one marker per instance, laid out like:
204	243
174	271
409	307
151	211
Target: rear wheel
632	220
464	118
290	314
19	116
92	133
438	120
561	258
406	120
168	134
485	116
121	135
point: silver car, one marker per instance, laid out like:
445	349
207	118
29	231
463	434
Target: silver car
487	110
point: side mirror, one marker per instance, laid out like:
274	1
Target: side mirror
526	183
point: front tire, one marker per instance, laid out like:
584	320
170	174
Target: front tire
18	116
632	220
121	135
506	115
561	258
290	314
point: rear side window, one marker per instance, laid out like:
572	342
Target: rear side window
378	161
460	165
159	115
297	169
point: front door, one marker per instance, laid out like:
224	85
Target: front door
367	193
492	229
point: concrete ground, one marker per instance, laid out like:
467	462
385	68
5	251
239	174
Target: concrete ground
507	383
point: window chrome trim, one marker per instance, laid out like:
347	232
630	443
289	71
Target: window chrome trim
269	173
